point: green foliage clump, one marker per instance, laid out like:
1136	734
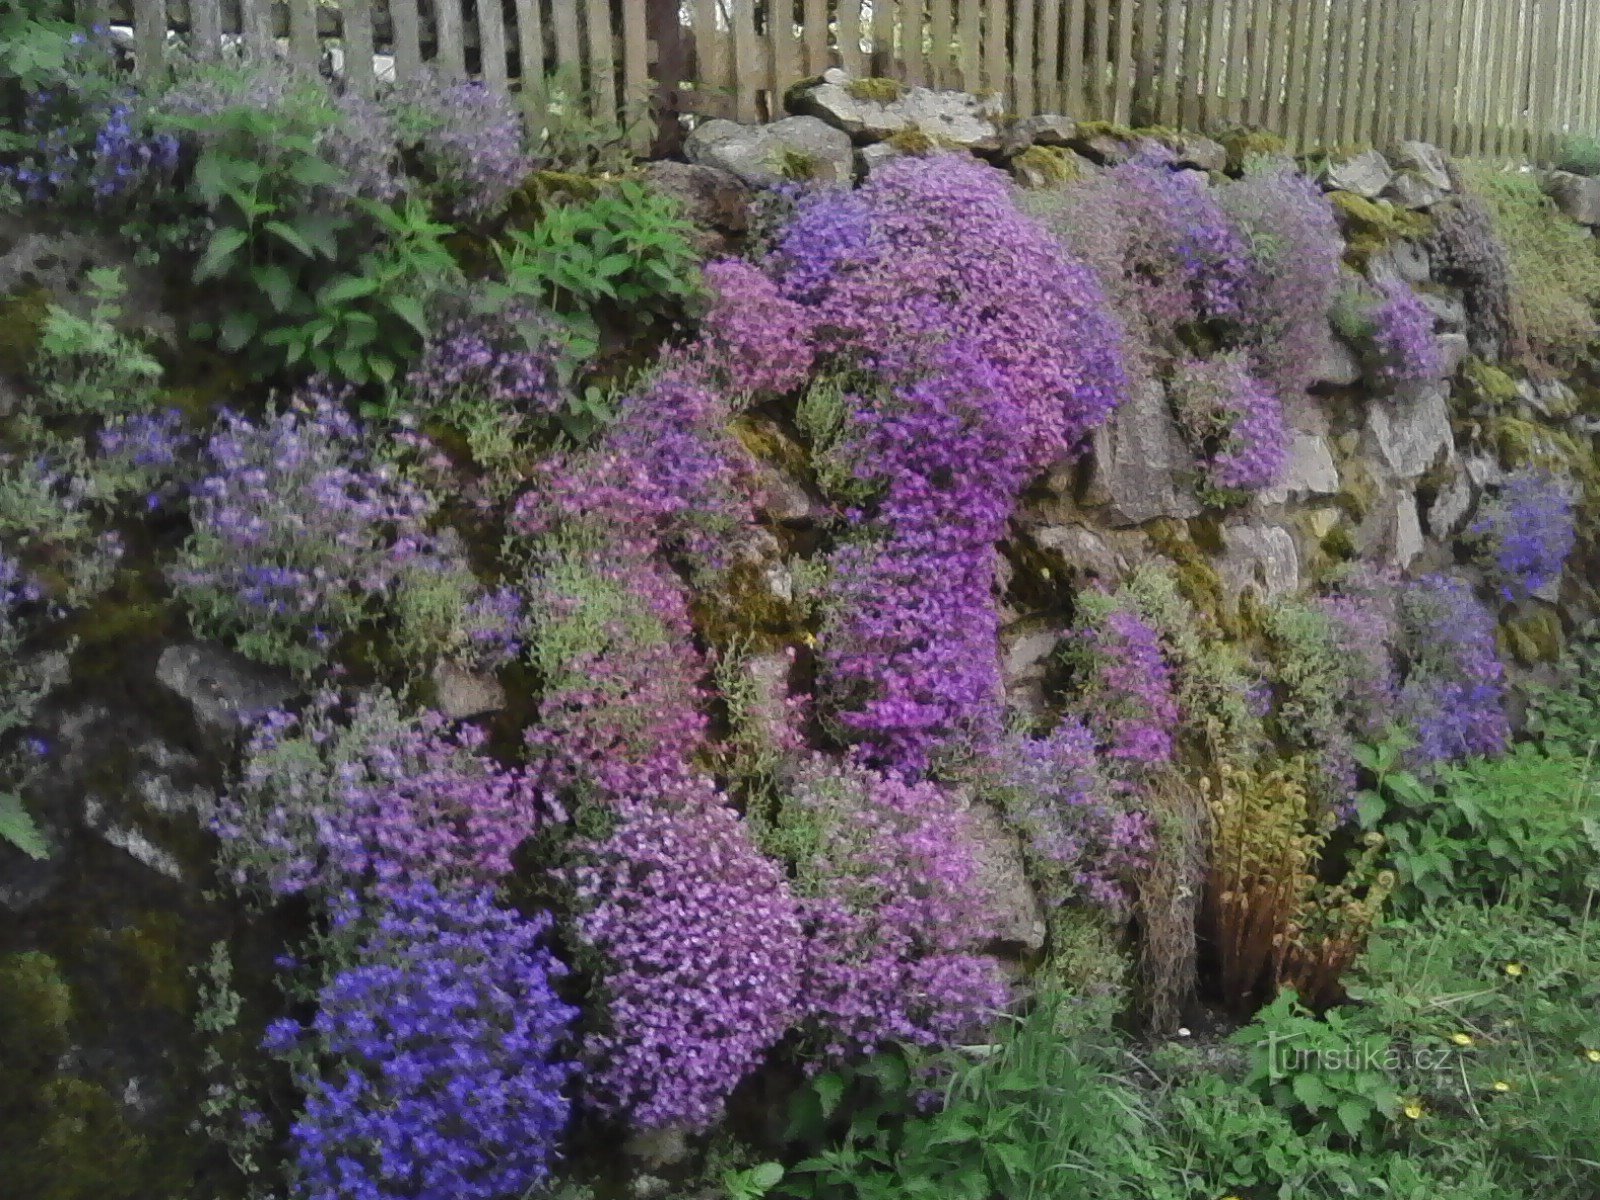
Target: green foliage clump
1522	827
1565	714
1246	145
628	250
913	140
1049	164
1580	154
1555	269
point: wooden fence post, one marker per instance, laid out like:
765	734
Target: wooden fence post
663	28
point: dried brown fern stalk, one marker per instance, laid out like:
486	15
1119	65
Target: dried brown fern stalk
1169	899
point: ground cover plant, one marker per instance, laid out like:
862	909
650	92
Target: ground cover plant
646	758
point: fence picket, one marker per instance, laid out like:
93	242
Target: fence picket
883	56
913	18
355	29
636	72
450	47
1078	80
407	47
850	39
149	37
205	29
816	35
747	66
492	44
1048	65
1122	71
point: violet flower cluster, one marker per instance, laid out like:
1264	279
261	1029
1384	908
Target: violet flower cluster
505	360
894	912
435	1065
704	950
1129	691
1079	831
370	802
467	137
302	535
1404	348
994	358
1526	533
1453	698
1233	420
1294	241
759	339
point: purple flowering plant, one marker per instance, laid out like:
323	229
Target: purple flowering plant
436	1063
368	800
465	138
1233	420
1526	533
1128	688
1394	330
1453	698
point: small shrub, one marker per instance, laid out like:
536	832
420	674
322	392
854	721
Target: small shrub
85	367
466	138
1233	422
369	801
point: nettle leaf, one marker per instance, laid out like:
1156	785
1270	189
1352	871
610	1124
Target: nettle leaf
224	244
237	329
20	829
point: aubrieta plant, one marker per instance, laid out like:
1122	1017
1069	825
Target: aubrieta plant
1453	697
367	800
1394	330
702	946
436	1062
1233	421
303	536
1128	688
466	138
1526	533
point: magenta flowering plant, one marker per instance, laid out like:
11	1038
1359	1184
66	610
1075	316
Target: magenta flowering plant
700	946
437	1061
894	911
1526	533
367	799
1083	837
1394	331
1128	689
1234	422
758	339
983	353
1294	242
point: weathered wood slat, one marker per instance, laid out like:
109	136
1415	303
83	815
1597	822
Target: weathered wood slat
407	46
850	40
1122	77
205	29
492	65
569	54
356	19
1048	71
1078	78
996	27
913	32
748	67
1099	60
636	73
1025	99
816	36
149	37
450	44
883	19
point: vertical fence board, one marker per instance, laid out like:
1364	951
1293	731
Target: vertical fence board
355	27
450	49
1194	49
1145	60
1122	70
1316	85
994	46
1295	77
1584	68
255	20
850	37
205	29
971	21
636	86
1255	109
1405	88
1025	99
564	22
407	47
748	72
303	48
785	51
1216	63
913	26
1238	59
1505	108
1077	76
883	58
1454	47
1099	65
1474	93
1047	63
815	36
602	55
1278	68
1341	59
149	37
491	43
941	35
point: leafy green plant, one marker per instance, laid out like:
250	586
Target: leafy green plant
1321	1069
339	288
19	829
84	366
1527	824
572	133
1579	154
1035	1115
626	249
1565	716
752	1183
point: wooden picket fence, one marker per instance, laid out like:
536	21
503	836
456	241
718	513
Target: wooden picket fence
1496	78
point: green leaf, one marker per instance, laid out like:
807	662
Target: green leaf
767	1175
18	828
1311	1092
314	172
346	289
409	310
830	1090
276	283
224	244
238	327
290	236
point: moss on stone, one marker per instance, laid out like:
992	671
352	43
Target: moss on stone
745	611
1487	385
1197	579
151	957
1359	491
1371	225
766	440
1533	639
797	165
914	141
35	1011
1243	145
875	89
21	322
1050	164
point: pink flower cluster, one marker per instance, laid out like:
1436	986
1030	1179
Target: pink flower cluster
759	340
1130	695
1233	421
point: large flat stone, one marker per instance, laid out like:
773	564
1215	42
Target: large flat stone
1310	471
1409	434
875	110
767	154
1576	195
1142	468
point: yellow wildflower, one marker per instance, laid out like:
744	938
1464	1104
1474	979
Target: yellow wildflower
1500	1085
1515	970
1592	1055
1414	1109
1461	1039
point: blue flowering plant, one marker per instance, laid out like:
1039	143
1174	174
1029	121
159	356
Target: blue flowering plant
1525	534
436	1064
